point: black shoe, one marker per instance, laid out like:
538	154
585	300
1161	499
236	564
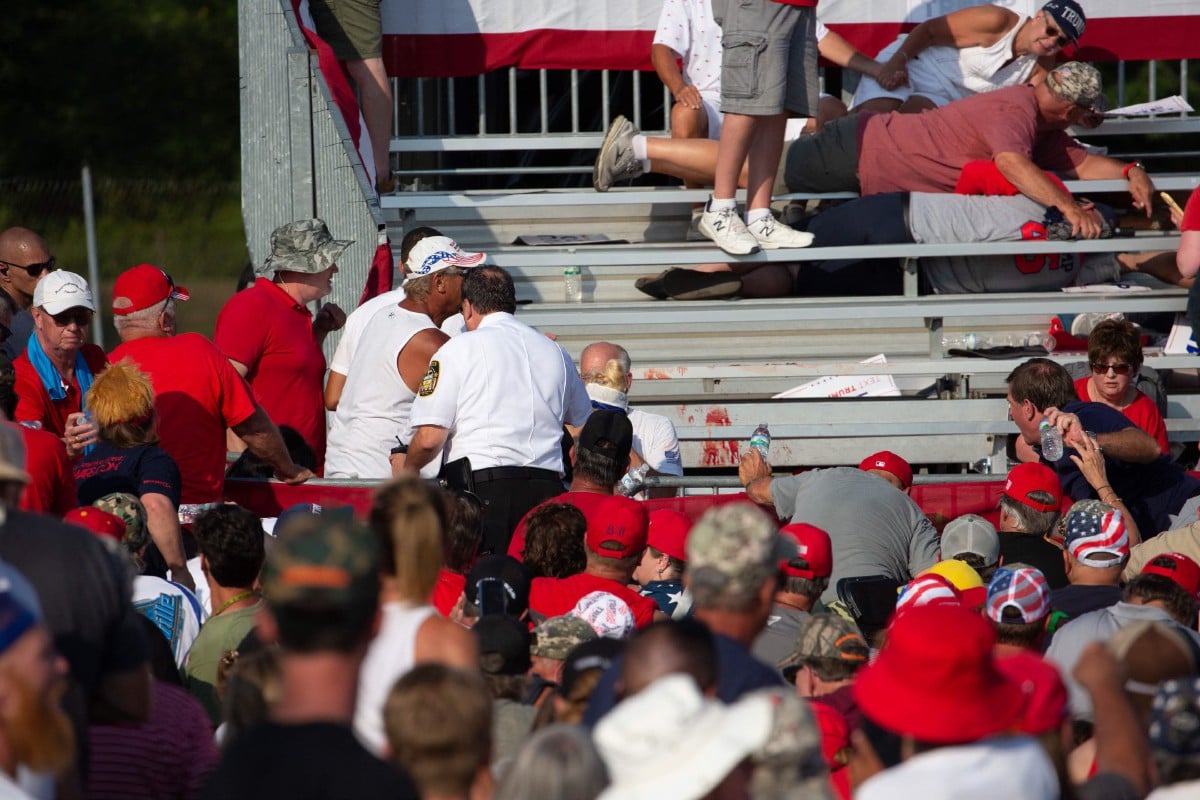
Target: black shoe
688	284
652	284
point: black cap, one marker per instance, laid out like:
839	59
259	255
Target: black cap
503	645
607	430
596	654
510	575
1069	16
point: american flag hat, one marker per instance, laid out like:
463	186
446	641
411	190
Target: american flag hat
930	589
1096	535
1023	590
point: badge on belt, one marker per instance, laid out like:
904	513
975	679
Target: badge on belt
429	382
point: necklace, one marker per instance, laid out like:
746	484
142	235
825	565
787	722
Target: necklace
237	598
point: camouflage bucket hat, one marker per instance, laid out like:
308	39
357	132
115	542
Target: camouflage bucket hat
322	564
1078	83
129	509
828	637
734	548
558	636
303	246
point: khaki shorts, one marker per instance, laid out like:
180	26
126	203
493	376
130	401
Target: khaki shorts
353	28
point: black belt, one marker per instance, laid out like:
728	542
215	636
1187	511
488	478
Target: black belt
514	473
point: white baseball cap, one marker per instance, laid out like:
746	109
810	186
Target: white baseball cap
61	290
436	253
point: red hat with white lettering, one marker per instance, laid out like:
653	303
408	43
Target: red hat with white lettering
890	463
617	528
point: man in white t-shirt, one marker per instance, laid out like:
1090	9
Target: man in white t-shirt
654	439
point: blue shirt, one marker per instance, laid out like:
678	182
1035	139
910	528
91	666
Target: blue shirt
144	469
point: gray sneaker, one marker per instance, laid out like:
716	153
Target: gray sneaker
693	232
615	161
728	232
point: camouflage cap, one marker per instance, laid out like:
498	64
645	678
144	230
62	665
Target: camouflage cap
828	637
129	509
1077	83
557	636
734	548
322	564
303	246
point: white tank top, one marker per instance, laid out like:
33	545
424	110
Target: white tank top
376	402
952	73
391	654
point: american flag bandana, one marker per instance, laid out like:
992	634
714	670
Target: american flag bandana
1095	530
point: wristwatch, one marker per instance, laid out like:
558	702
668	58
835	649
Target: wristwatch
1134	165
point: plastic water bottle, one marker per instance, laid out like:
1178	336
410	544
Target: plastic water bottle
979	341
760	440
572	285
632	481
1052	443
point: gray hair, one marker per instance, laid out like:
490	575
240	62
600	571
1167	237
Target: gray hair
1030	520
146	318
558	761
419	288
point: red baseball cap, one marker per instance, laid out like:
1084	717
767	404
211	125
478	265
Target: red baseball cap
1177	567
1042	685
935	678
890	463
98	522
1033	477
812	547
617	528
142	286
668	530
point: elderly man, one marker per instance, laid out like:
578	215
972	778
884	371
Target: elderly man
24	260
655	443
198	394
34	731
271	337
1029	509
57	367
877	153
390	361
504	391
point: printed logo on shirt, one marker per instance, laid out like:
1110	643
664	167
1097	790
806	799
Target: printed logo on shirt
429	382
672	456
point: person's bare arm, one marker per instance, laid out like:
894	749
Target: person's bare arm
241	368
1036	185
755	474
968	27
1094	167
1188	257
444	642
333	390
162	520
1090	462
665	61
1121	745
1163	265
833	47
327	320
413	361
262	438
1130	444
426	443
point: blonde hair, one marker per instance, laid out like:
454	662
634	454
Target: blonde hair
614	375
409	519
121	401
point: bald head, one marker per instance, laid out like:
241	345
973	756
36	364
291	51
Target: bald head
666	648
20	247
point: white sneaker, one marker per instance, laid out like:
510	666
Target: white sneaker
728	232
771	234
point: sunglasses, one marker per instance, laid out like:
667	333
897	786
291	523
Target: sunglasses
80	316
1059	38
1119	369
32	270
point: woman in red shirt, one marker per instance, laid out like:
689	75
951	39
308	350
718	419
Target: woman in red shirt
1115	356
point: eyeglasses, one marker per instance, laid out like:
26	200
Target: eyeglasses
1059	38
1120	369
80	316
32	270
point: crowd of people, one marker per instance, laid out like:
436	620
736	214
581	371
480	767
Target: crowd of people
515	616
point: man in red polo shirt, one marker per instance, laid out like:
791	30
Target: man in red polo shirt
274	341
56	369
197	392
616	537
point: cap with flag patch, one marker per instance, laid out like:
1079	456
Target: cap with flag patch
143	286
890	463
1018	596
436	253
813	556
1096	535
1025	479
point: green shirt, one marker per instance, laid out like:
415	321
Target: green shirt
217	636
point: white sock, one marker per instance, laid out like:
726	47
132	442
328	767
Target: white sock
638	142
755	214
645	162
717	204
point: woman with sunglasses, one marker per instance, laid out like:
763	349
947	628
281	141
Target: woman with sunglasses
1115	356
58	365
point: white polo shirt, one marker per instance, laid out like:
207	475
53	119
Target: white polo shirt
503	391
655	439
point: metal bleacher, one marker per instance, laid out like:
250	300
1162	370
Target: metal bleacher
713	366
